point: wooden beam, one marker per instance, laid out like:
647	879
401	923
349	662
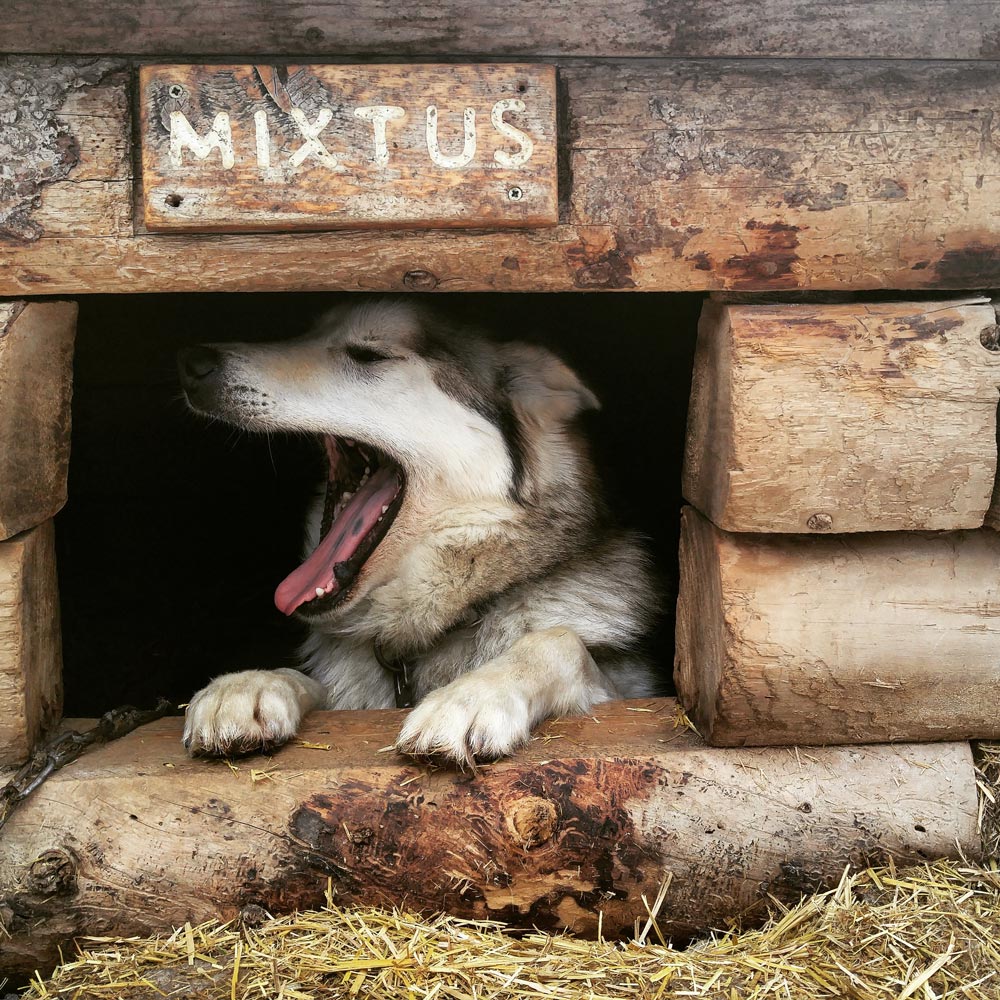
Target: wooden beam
135	837
924	29
857	417
747	175
787	639
36	387
30	643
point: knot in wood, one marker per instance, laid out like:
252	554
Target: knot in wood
990	338
53	872
252	915
820	522
531	820
420	281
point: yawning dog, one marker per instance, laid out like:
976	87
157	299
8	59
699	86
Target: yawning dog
461	559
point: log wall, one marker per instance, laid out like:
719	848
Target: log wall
790	639
30	643
844	417
674	175
135	837
36	388
917	29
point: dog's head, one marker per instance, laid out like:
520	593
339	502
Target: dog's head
413	415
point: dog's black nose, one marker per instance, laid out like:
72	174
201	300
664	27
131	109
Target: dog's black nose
198	362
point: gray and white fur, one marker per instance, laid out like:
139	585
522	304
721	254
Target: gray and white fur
502	582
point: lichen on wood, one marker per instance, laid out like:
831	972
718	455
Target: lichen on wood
37	148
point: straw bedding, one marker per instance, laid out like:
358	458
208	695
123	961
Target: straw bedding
883	934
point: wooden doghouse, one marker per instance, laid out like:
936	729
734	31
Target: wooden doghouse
786	149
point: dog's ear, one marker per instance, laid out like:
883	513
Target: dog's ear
543	388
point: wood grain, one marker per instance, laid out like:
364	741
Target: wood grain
591	816
302	158
788	639
30	643
36	387
748	175
921	29
852	417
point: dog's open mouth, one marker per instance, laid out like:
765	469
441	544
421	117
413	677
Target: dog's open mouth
364	492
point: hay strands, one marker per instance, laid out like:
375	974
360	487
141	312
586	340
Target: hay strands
924	932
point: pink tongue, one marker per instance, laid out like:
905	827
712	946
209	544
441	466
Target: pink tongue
340	542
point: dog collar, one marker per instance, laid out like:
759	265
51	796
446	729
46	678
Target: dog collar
400	670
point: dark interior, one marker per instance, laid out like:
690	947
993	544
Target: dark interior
177	529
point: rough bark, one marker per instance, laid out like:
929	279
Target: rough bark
30	642
855	639
135	838
36	387
748	175
932	29
856	417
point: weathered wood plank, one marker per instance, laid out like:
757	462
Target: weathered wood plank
789	639
856	417
588	818
36	387
748	175
924	29
230	148
65	138
30	644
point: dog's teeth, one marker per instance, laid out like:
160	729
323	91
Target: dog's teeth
320	591
384	511
368	470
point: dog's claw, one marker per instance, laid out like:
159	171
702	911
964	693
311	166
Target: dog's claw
462	724
238	714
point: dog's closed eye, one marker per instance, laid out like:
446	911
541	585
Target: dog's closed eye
365	355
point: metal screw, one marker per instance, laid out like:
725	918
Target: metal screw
819	522
175	90
990	338
515	194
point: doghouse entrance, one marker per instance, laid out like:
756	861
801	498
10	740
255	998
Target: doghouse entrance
178	529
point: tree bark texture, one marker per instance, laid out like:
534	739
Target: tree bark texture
134	837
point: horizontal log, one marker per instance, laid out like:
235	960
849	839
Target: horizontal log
790	639
853	417
930	29
746	175
36	386
135	837
30	642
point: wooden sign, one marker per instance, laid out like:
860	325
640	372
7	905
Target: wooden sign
236	148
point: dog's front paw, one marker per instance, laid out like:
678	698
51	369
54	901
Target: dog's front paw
243	713
467	720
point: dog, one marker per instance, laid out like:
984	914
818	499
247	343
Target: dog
461	557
